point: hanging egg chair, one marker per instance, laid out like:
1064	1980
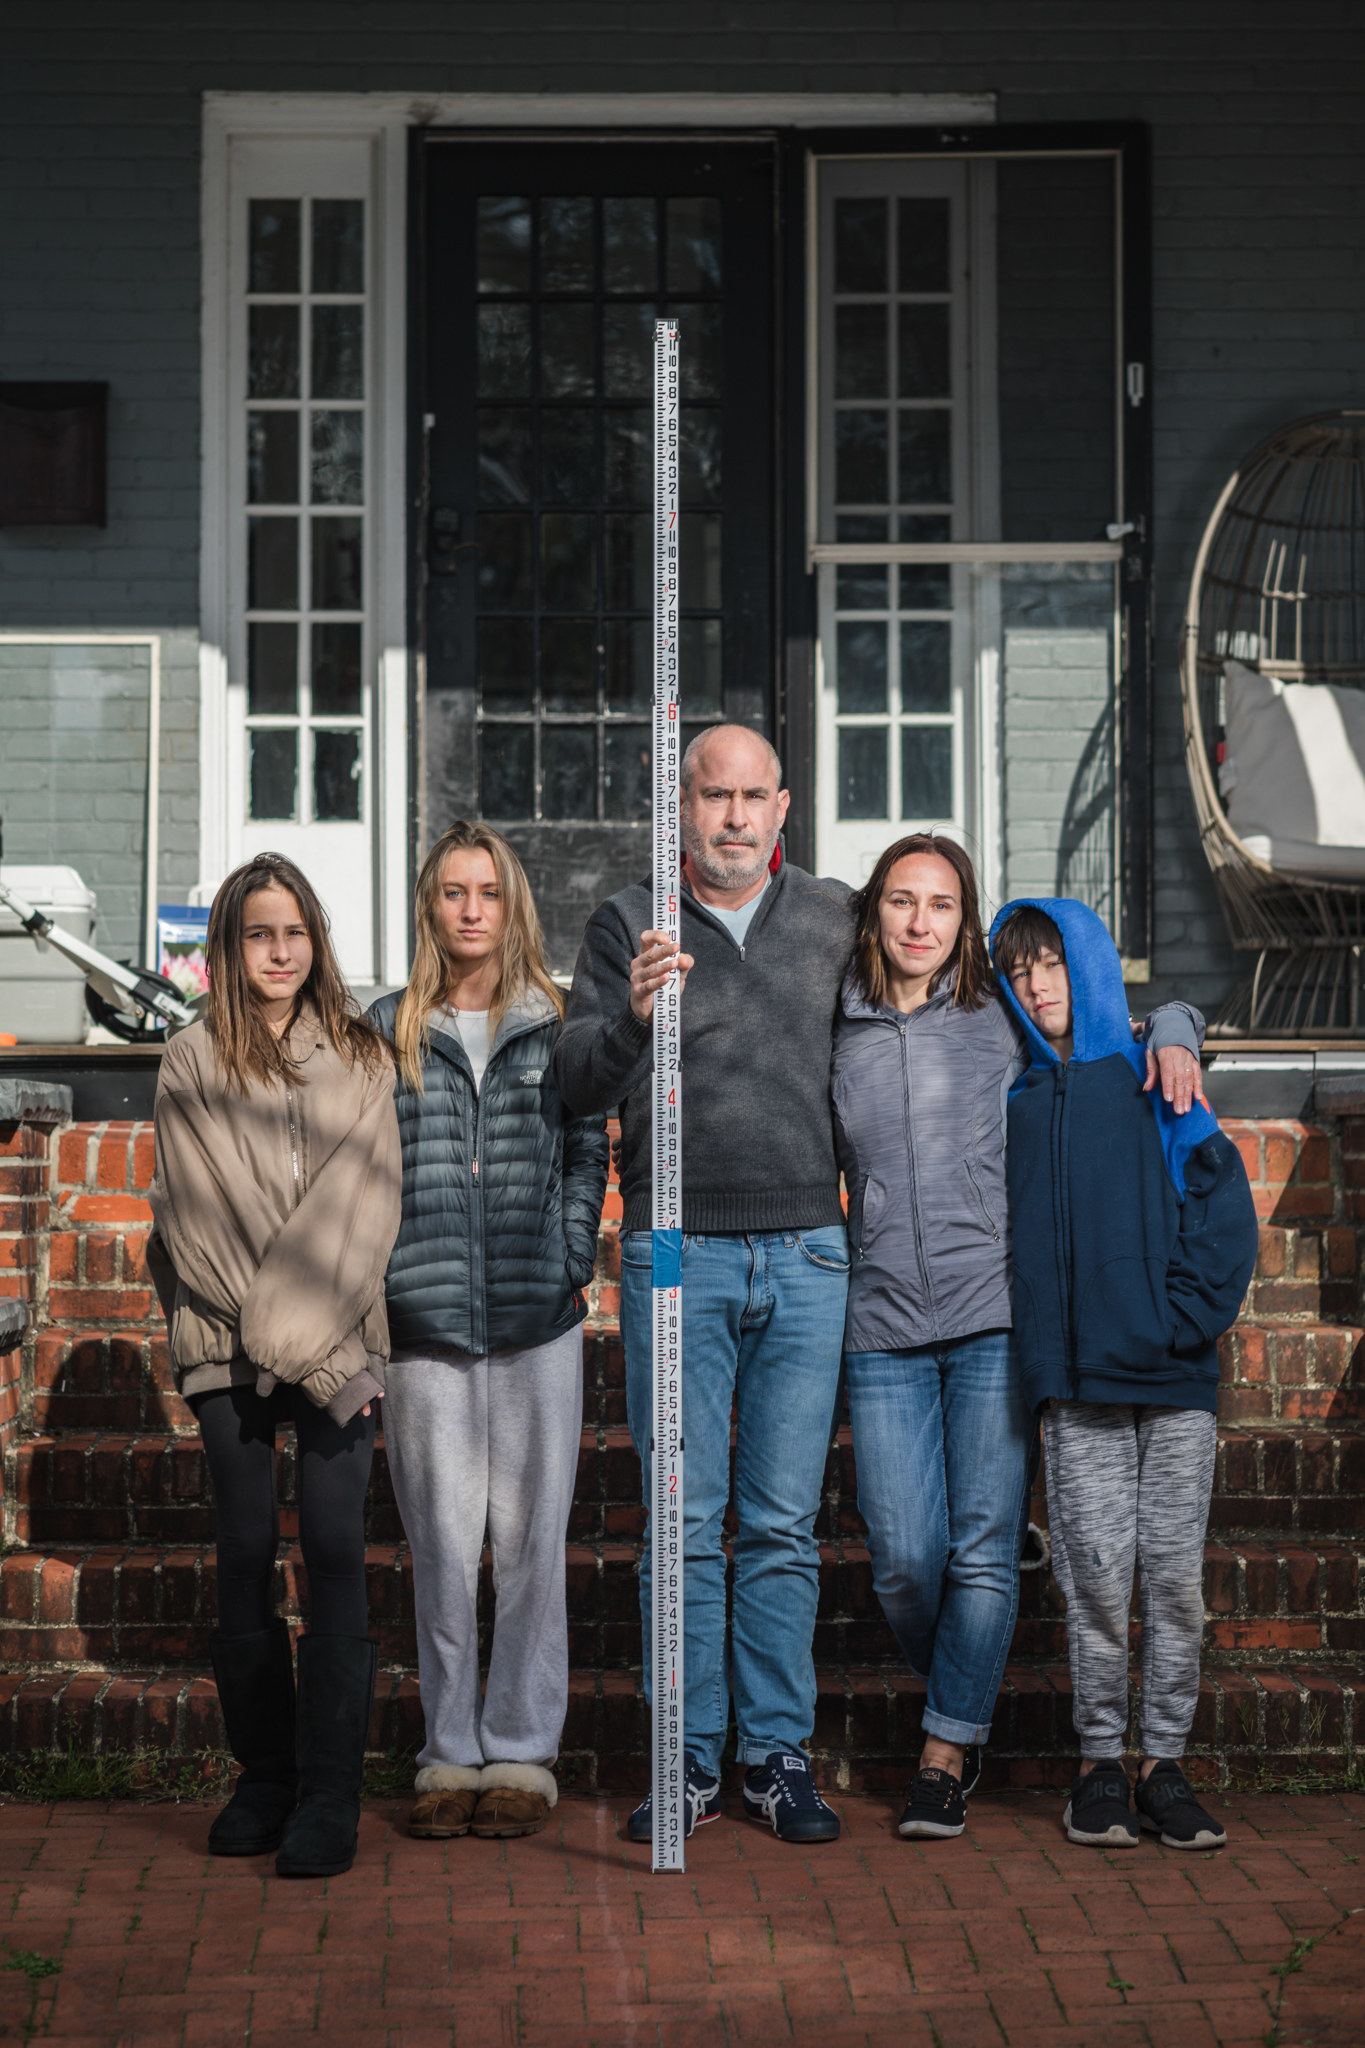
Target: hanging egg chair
1273	689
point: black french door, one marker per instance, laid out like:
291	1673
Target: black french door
545	265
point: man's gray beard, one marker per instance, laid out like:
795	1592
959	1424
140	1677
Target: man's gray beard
715	872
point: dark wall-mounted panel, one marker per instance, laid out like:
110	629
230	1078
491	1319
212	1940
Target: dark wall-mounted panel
52	454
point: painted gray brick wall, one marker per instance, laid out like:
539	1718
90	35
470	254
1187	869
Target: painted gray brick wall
99	248
1260	282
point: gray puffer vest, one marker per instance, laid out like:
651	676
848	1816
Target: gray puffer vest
919	1108
502	1194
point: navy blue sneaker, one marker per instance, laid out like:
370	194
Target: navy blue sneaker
782	1792
1099	1812
1167	1807
703	1803
934	1805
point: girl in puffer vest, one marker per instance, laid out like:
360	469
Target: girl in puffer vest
276	1206
502	1195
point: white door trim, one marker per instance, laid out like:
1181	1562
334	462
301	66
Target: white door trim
227	119
307	112
383	119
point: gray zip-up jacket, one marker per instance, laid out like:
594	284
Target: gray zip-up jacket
919	1116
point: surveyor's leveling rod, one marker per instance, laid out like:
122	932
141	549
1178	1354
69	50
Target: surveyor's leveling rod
666	1503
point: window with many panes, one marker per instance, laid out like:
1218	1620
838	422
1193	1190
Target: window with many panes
893	445
304	429
569	288
967	413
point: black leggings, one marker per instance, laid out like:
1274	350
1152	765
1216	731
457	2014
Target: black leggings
238	1427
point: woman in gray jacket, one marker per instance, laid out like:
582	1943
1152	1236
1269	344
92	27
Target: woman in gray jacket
924	1057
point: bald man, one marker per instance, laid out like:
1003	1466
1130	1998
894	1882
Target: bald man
765	1253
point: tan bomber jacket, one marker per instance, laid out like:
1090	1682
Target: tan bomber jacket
275	1215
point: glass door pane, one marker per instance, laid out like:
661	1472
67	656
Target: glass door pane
897	444
970	411
549	267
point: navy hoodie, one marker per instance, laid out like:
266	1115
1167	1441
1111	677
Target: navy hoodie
1134	1231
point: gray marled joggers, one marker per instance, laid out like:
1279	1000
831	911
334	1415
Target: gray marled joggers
1129	1483
475	1442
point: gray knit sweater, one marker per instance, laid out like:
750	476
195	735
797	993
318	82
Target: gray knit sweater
757	1029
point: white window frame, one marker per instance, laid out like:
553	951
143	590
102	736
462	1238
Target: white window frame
232	133
975	510
973	553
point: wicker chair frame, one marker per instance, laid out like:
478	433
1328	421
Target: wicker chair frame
1279	584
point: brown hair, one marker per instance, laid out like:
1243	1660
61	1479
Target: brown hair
246	1048
975	984
1022	937
522	946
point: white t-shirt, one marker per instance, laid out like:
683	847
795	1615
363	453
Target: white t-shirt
471	1028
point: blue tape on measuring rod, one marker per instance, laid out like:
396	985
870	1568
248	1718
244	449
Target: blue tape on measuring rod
668	1258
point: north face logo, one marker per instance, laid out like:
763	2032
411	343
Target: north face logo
532	1077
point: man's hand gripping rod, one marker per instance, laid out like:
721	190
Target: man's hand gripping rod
669	1797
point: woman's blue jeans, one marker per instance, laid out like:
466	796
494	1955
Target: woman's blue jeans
944	1444
763	1323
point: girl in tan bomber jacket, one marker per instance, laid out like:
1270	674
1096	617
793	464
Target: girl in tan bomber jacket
276	1201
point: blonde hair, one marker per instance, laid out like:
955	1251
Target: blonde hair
521	947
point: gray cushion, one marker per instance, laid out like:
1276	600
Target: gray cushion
1293	773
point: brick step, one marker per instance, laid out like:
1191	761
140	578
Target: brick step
1274	1718
1274	1370
1306	1271
144	1605
152	1486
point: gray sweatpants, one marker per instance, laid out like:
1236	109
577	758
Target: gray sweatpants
1129	1483
475	1443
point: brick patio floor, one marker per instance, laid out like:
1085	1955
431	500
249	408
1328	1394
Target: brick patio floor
1008	1936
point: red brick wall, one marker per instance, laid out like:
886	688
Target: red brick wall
99	1357
125	1505
23	1237
1293	1369
1285	1362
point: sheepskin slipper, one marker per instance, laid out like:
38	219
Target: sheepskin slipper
446	1797
514	1799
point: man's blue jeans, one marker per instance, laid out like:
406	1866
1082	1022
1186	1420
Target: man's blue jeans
763	1323
944	1443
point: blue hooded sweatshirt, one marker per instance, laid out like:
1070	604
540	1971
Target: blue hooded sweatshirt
1134	1231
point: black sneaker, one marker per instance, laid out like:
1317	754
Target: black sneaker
782	1793
702	1794
935	1804
971	1769
1100	1809
1167	1807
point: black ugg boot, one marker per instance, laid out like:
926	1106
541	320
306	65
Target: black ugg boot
255	1677
336	1692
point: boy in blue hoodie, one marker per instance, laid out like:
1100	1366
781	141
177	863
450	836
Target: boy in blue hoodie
1134	1236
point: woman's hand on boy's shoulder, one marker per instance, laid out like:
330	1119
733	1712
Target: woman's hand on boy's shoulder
1182	1077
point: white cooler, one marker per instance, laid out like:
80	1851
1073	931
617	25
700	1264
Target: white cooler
42	995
